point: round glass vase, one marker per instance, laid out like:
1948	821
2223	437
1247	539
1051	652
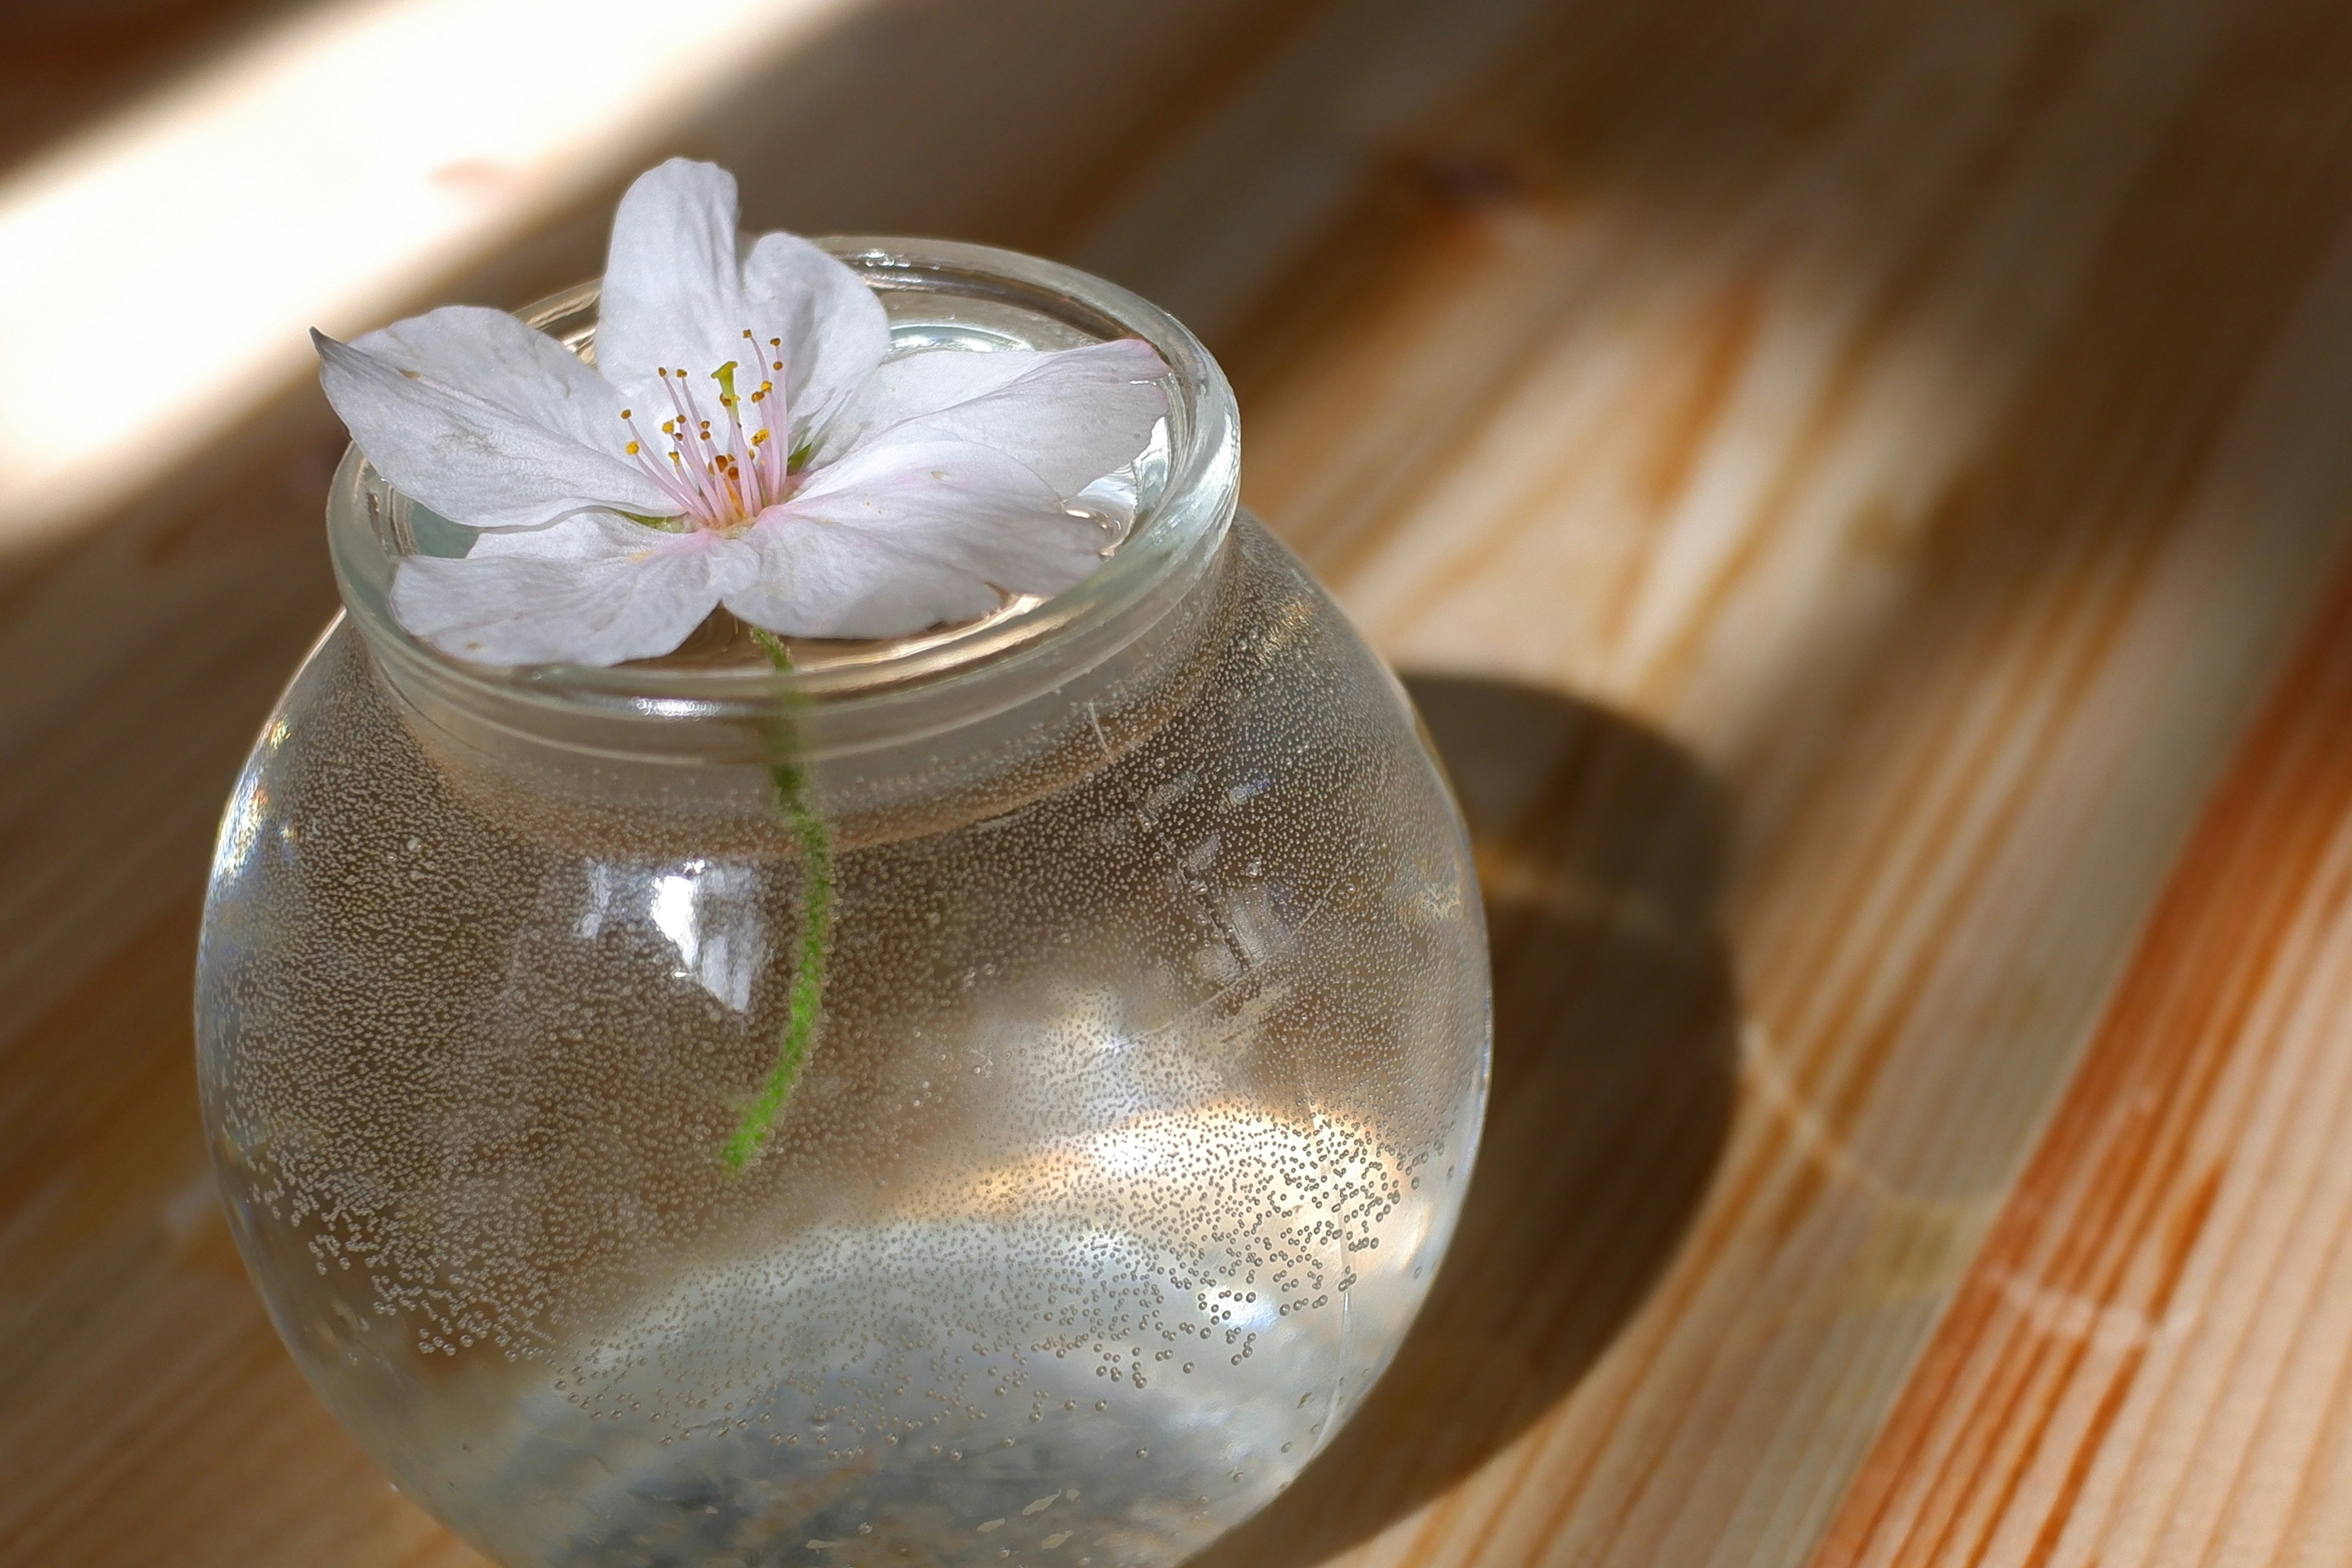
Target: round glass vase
1124	1133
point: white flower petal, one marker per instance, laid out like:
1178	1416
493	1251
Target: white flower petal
898	538
924	383
1072	415
509	365
468	460
592	590
586	536
834	328
673	291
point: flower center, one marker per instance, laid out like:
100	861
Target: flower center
725	470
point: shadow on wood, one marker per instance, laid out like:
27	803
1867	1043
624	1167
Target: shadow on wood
1602	848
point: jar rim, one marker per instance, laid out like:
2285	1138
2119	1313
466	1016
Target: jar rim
1195	505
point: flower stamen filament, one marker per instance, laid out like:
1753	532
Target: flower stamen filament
720	478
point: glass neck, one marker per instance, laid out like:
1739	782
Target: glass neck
861	710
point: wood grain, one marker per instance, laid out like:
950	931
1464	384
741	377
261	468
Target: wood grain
1855	483
2148	1361
1957	539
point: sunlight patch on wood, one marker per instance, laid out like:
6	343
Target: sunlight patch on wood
159	274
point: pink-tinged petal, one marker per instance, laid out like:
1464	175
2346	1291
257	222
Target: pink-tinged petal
1071	414
834	328
896	539
593	590
468	460
673	291
510	366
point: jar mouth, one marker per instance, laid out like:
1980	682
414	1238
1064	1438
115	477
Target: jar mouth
935	290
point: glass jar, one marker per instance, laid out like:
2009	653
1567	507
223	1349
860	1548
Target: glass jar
1142	1095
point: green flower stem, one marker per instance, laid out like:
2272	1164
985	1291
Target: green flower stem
806	1007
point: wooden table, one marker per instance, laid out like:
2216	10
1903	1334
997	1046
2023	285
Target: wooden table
1861	487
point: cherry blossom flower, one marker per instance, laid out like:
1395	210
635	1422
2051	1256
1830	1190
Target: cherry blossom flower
744	439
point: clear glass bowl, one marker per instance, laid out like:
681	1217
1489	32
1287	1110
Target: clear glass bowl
1152	1062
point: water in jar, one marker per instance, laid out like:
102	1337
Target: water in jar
1143	1102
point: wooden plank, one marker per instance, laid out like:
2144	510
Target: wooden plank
1845	475
2148	1361
1945	484
63	65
